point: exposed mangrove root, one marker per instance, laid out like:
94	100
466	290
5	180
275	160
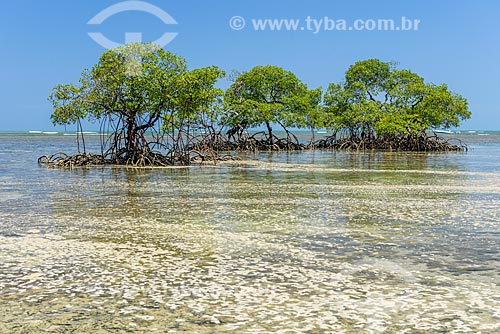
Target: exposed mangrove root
148	159
249	143
417	142
63	160
260	142
421	142
214	147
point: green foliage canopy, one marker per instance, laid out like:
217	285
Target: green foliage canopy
378	99
266	95
138	87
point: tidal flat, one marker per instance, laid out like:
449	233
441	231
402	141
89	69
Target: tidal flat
308	242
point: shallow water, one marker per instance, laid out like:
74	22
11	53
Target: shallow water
311	242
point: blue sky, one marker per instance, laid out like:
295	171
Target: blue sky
46	42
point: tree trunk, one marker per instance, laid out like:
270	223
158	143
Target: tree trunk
270	132
131	147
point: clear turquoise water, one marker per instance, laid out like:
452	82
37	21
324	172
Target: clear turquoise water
310	242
